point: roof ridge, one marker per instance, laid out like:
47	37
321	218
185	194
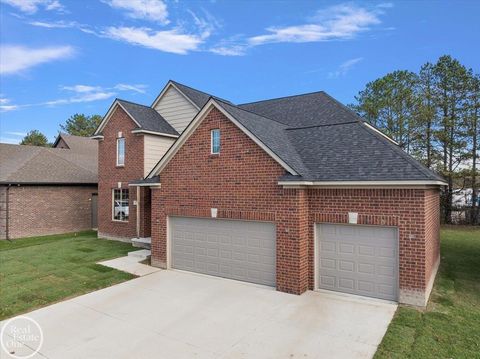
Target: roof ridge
405	156
323	125
255	113
190	87
283	97
133	103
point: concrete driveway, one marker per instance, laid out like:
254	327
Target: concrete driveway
172	314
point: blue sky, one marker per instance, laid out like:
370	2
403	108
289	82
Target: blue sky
60	57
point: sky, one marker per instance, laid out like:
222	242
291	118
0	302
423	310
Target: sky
60	57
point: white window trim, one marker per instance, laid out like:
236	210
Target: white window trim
211	141
113	205
124	151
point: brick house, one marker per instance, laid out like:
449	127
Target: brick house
297	193
48	190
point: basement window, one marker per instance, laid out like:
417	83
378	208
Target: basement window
215	141
121	151
120	205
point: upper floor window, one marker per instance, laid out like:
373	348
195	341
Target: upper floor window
215	134
121	151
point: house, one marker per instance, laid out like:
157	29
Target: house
297	193
48	190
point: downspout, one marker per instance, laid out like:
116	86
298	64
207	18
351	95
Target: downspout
138	211
7	199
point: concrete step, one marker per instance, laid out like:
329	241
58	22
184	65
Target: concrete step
140	255
142	242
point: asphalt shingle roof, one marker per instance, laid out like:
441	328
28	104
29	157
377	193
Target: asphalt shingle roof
148	118
315	135
33	164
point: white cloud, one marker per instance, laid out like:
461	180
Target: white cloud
32	6
81	93
87	97
338	22
18	134
229	50
15	59
136	88
5	105
173	41
344	67
154	10
81	88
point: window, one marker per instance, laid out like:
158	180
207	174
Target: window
120	205
215	141
120	151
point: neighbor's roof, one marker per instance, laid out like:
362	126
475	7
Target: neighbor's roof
78	144
43	165
148	118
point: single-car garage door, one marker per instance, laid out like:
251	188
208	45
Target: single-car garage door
242	250
357	259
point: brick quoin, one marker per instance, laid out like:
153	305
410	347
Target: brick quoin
44	210
109	175
242	183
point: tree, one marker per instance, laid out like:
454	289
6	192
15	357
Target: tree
473	132
451	79
389	103
424	148
81	125
35	138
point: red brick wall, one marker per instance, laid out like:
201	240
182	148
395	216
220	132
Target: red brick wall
242	183
432	231
109	175
43	210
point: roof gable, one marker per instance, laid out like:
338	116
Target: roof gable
146	118
212	103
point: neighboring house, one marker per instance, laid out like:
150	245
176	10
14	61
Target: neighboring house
297	193
48	190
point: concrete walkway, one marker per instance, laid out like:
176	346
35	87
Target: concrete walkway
172	314
130	265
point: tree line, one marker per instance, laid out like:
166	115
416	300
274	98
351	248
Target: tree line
433	114
78	125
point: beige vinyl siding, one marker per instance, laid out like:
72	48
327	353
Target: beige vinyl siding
155	148
176	109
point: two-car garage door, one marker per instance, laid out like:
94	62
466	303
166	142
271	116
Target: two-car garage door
242	250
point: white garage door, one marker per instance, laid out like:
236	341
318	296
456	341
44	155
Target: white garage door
357	259
242	250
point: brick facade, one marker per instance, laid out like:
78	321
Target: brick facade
242	183
44	210
109	175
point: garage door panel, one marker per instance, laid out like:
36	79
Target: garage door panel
242	250
359	260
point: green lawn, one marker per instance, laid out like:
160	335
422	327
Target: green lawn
38	271
450	326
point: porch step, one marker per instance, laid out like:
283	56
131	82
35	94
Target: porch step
142	242
140	255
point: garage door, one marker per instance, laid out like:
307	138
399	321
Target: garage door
359	260
241	250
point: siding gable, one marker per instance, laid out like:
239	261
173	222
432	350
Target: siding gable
154	149
176	109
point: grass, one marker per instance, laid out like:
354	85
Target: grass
450	325
38	271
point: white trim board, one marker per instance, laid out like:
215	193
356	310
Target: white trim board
197	120
359	184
